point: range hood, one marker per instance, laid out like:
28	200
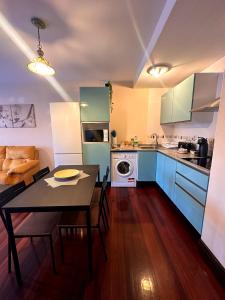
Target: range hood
210	106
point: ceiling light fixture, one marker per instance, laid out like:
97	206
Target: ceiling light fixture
40	65
158	70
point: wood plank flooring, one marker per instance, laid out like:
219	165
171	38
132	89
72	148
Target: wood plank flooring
152	254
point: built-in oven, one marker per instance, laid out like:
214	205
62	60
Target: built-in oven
95	132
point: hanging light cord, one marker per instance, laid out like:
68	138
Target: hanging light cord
39	50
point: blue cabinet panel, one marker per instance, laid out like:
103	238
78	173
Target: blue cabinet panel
166	107
147	165
97	154
191	188
160	170
94	104
182	100
169	176
193	175
190	208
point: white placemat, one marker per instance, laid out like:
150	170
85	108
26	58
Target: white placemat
54	183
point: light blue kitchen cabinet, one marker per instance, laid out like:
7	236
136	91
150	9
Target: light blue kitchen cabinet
190	194
160	170
185	186
190	208
182	100
169	176
147	161
94	104
193	175
166	107
97	154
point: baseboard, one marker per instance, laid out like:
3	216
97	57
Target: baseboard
145	183
213	262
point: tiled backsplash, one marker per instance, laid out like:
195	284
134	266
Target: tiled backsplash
192	139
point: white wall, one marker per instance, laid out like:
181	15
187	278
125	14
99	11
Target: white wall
40	95
130	113
213	234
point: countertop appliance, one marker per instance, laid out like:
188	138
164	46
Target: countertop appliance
202	151
95	132
66	133
124	169
185	145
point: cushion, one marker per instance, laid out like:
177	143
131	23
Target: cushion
13	179
2	151
22	168
12	163
19	152
1	163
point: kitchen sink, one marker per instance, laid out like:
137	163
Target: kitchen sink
147	146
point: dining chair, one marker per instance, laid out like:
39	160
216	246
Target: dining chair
70	220
4	199
37	176
39	224
106	198
95	202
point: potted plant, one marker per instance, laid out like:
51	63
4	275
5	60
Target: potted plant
114	138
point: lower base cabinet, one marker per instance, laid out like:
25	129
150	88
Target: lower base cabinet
160	170
189	207
146	165
165	174
97	154
185	186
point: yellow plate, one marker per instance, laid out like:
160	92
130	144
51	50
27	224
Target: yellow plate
66	174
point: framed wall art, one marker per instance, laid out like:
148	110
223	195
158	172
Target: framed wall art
17	116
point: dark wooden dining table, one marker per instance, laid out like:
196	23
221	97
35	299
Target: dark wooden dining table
40	197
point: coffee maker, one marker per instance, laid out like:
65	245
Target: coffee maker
202	151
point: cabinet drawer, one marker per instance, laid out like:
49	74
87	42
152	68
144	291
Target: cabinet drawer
190	208
193	175
196	192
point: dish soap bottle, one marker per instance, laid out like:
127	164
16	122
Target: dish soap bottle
136	142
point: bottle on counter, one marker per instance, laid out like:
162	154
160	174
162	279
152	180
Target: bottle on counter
136	142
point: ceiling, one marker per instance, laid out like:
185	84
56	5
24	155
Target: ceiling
193	39
114	40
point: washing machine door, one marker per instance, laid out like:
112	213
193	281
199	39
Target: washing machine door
124	168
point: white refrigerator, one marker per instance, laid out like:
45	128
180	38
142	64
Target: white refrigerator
66	133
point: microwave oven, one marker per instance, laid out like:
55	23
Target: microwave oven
95	132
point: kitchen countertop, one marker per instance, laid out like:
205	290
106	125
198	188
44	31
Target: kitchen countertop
169	152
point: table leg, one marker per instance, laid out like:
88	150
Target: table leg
13	248
89	238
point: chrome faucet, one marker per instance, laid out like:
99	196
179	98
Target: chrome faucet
155	136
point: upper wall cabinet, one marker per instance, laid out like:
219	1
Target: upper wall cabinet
94	104
182	100
166	107
195	91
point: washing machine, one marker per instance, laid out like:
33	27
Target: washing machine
124	169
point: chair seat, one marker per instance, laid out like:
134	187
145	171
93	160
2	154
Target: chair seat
77	219
40	223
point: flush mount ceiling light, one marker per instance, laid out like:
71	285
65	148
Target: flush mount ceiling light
158	70
40	65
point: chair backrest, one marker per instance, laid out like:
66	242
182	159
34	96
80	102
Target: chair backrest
102	198
107	173
37	176
10	193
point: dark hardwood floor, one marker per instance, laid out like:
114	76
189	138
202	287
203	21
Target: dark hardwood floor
152	254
